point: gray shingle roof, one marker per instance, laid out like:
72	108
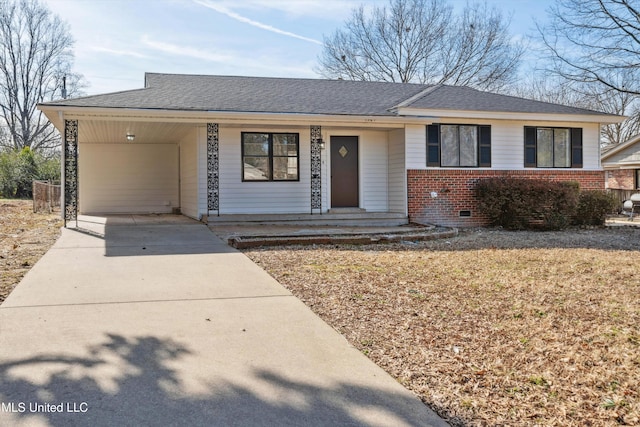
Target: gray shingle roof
255	94
465	98
306	96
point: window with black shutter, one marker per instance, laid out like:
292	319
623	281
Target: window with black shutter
453	145
552	147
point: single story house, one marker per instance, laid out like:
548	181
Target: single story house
622	167
219	145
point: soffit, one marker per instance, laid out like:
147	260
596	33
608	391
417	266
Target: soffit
96	131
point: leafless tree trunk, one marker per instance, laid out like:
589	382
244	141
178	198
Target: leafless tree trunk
596	41
35	54
422	41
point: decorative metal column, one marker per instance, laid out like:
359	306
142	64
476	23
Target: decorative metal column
316	168
70	171
213	169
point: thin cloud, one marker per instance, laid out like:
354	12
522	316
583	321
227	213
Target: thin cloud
225	11
175	49
118	52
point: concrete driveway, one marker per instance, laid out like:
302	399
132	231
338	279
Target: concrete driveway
130	321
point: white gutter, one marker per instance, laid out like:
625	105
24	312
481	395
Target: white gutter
507	115
405	116
53	113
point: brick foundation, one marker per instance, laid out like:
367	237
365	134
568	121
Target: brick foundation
455	191
621	179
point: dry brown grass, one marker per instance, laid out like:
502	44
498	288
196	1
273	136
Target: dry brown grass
491	327
24	237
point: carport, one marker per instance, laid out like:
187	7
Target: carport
134	166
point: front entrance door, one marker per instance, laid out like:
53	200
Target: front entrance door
344	172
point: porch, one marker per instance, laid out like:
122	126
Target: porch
349	226
197	169
332	218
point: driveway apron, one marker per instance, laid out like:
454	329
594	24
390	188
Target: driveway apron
129	322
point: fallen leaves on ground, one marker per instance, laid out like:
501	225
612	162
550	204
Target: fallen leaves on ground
24	237
491	327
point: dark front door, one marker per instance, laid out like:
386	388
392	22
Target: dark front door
344	172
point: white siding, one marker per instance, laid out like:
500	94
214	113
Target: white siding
416	146
397	187
629	155
507	143
128	178
591	144
189	175
238	197
374	171
202	170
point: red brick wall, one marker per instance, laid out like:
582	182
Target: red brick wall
623	179
455	191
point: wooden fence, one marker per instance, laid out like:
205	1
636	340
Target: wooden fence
621	195
46	196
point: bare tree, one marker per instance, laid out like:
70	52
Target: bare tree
35	59
550	88
423	41
479	50
595	41
593	96
624	104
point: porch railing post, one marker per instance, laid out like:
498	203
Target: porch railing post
70	171
316	168
213	169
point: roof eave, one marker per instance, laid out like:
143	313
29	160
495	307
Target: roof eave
57	115
631	141
509	115
621	165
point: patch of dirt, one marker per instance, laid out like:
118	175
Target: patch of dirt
24	237
491	327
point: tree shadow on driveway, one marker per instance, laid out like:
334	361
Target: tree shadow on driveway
131	381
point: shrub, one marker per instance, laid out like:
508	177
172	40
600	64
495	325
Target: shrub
18	169
593	207
519	204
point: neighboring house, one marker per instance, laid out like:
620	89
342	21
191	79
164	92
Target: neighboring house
209	145
622	168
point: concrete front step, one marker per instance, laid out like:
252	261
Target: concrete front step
350	219
411	236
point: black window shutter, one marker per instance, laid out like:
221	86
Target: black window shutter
433	145
484	146
576	147
530	147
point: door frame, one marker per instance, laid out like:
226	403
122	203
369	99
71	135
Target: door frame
329	165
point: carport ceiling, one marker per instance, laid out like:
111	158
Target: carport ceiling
99	131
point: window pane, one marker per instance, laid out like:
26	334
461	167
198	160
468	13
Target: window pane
545	147
256	149
256	168
285	168
285	144
468	146
561	148
255	144
449	145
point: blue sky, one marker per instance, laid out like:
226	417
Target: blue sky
117	41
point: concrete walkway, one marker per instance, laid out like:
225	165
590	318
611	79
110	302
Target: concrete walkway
134	321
